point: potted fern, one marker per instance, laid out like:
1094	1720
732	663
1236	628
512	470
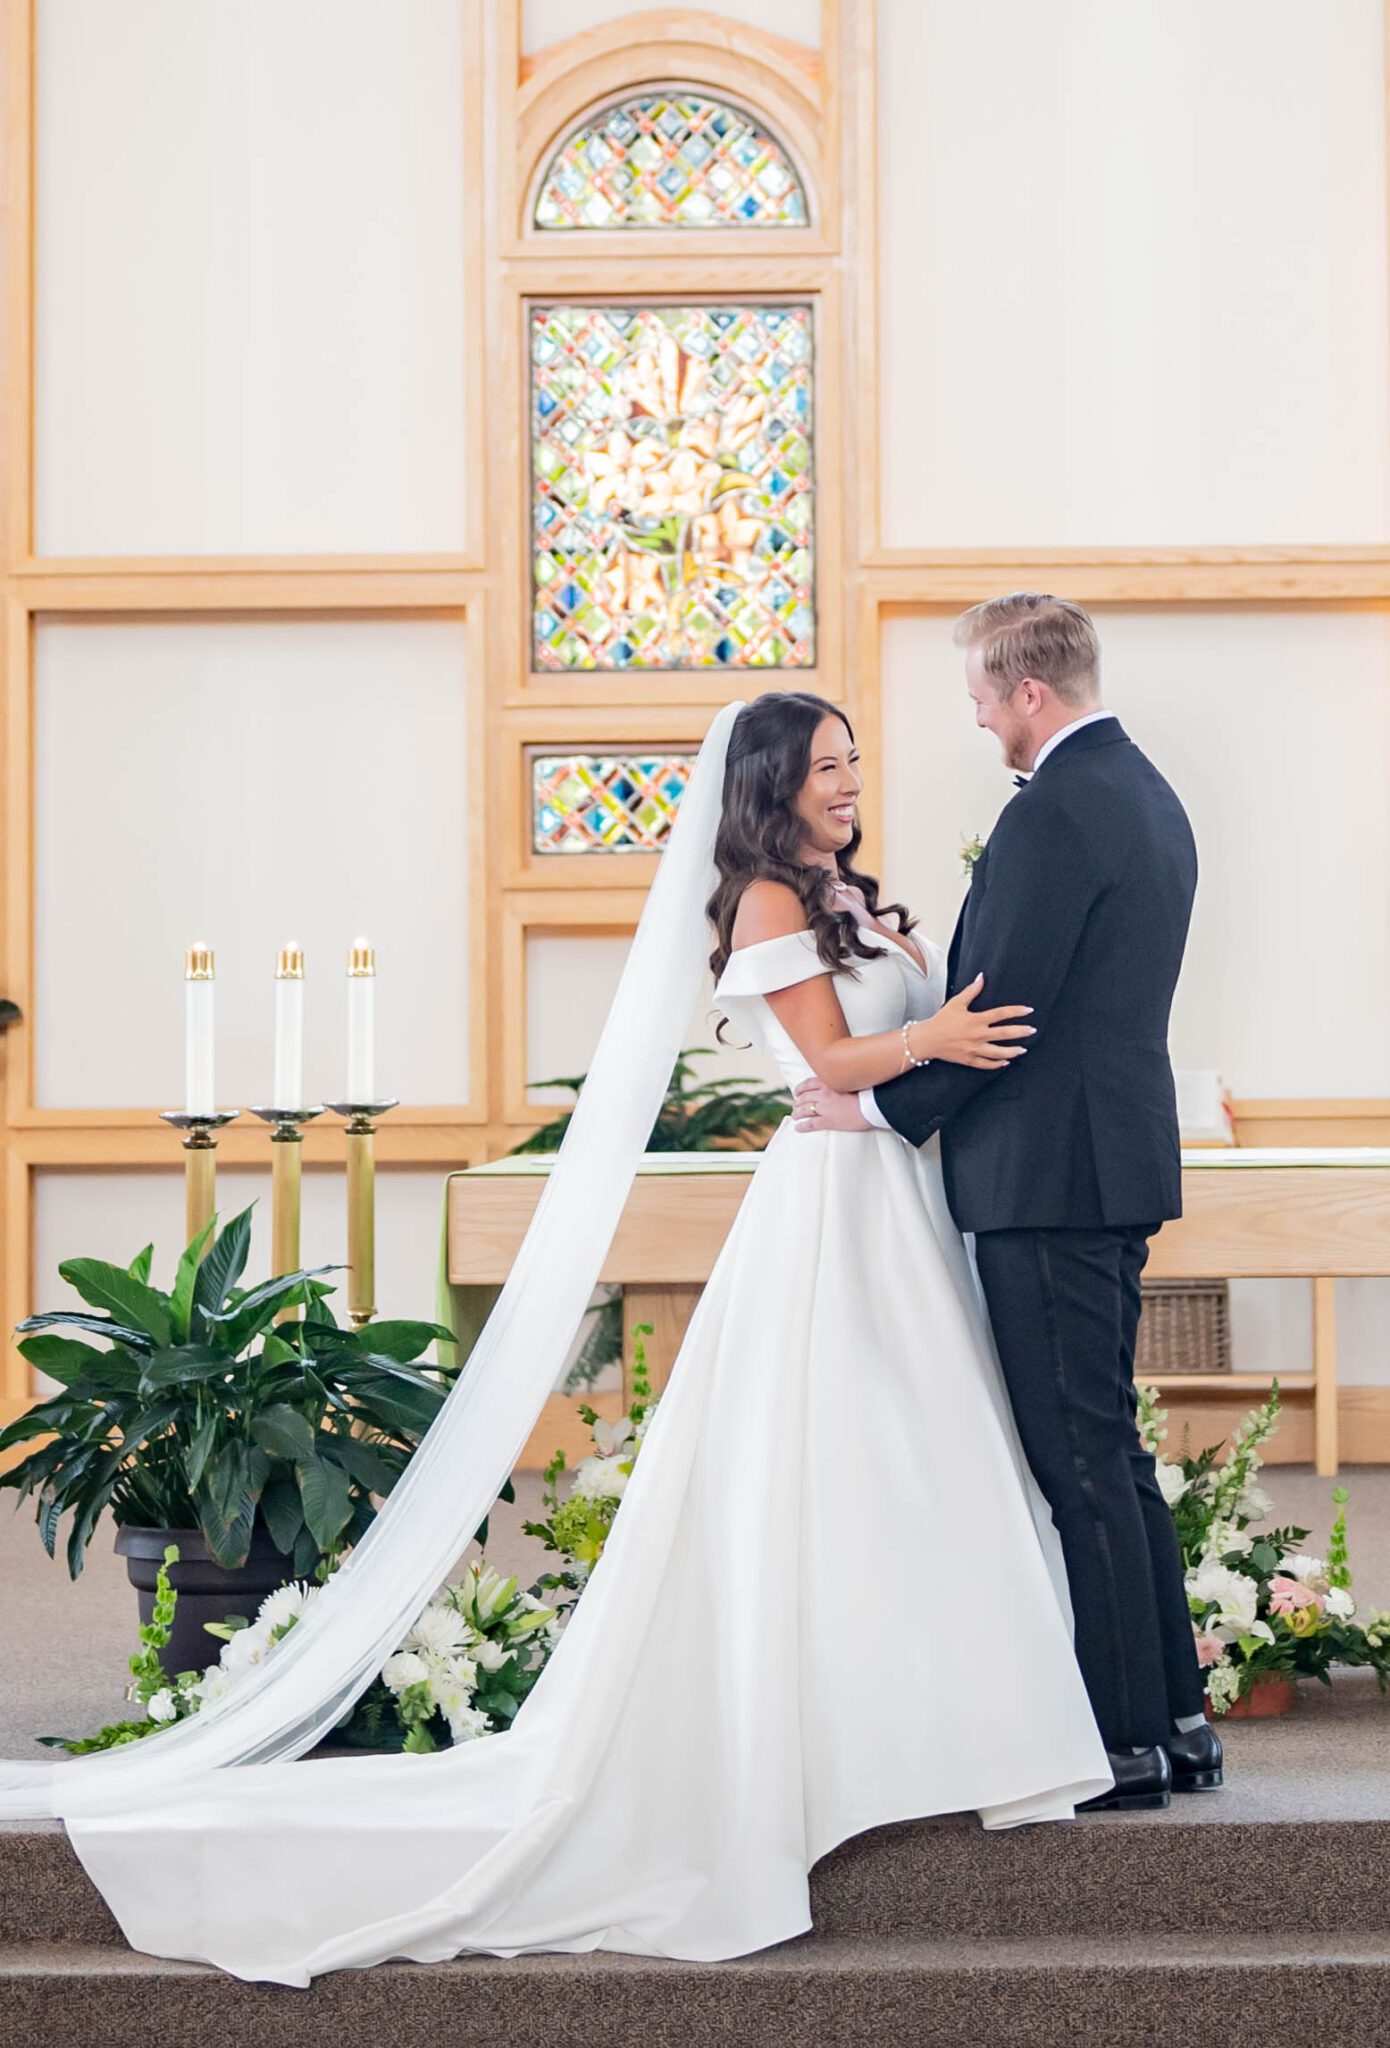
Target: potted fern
258	1449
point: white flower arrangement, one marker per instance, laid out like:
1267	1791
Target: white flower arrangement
1261	1606
469	1660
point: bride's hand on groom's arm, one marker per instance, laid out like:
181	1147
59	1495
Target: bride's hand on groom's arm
958	1034
972	1038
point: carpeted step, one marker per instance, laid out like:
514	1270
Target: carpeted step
823	1992
1108	1874
1105	1875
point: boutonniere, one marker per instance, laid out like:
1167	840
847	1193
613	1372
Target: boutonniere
970	851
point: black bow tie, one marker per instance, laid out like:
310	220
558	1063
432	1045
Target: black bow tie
1022	781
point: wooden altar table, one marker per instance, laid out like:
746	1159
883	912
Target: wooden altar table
1256	1213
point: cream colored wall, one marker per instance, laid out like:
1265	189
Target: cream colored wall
570	981
250	277
1132	291
1132	273
246	783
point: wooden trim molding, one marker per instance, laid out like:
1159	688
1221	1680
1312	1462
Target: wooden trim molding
1310	1121
1325	577
771	76
359	586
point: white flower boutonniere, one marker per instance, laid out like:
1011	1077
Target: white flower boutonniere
970	851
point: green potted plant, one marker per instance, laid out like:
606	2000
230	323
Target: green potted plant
256	1447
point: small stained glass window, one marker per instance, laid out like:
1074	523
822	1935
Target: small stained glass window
606	803
672	500
669	158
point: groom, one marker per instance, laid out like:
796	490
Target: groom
1065	1163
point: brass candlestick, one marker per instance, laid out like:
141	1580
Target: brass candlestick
200	1163
286	1160
361	1204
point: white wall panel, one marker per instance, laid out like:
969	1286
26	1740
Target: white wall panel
570	983
1132	272
250	314
551	21
245	784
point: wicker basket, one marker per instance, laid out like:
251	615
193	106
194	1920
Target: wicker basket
1185	1326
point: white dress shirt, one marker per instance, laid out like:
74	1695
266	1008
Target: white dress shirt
868	1107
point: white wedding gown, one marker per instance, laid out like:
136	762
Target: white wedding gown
831	1599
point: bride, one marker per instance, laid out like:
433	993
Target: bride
831	1597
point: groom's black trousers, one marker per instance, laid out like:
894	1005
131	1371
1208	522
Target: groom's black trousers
1064	1307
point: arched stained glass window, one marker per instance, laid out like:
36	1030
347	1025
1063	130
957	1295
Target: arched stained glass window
670	157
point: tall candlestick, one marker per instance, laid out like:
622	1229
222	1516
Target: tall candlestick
361	1060
289	1028
197	1031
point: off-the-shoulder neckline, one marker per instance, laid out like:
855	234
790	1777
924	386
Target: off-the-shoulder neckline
885	945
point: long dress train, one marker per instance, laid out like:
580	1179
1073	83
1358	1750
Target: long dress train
830	1599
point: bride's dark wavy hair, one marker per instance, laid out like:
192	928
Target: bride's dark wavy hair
760	834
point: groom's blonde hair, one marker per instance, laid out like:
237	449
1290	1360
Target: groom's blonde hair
1032	634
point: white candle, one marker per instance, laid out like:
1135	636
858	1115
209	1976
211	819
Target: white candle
361	1021
289	1028
197	1031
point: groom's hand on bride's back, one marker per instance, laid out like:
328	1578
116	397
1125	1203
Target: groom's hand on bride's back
818	1108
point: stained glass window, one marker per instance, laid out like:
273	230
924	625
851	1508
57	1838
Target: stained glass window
606	803
670	159
672	493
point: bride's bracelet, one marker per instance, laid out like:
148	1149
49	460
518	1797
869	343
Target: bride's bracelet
910	1058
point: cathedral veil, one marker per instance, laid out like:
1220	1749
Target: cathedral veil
285	1705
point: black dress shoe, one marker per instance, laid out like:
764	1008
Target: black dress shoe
1195	1755
1140	1781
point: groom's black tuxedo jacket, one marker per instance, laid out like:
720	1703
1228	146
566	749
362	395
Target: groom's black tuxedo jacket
1078	905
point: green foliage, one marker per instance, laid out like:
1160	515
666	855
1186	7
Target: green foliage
695	1116
1338	1561
203	1413
577	1528
1242	1596
146	1672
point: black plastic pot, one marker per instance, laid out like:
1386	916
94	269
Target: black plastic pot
207	1590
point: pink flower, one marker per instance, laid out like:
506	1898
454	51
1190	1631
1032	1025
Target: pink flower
1210	1649
1287	1595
